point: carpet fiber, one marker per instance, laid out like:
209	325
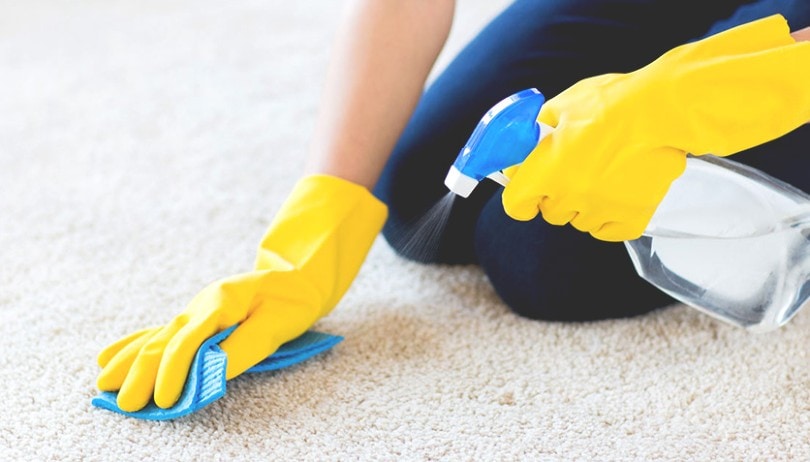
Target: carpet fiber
144	147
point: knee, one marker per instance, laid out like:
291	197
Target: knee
529	302
524	272
560	292
555	273
541	293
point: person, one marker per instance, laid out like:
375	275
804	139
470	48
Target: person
671	77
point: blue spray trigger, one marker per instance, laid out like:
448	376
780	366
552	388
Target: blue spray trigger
504	137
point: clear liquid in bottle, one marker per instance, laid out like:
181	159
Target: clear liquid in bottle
731	242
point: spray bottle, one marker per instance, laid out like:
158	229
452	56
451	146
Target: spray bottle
740	254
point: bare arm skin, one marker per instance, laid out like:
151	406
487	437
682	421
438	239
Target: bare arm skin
802	35
383	54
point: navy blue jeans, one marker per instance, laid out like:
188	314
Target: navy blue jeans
542	271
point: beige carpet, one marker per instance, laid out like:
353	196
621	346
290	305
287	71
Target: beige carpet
144	146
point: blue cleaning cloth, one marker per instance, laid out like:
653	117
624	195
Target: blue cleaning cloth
206	378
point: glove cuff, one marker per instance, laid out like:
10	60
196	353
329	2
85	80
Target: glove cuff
325	229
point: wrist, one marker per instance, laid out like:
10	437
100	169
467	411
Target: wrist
324	230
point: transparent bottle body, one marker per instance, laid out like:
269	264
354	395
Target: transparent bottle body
732	242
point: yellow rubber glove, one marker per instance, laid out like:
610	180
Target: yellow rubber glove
306	261
621	139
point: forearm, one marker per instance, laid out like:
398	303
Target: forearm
383	54
802	35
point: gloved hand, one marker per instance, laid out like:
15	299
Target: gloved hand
621	139
306	261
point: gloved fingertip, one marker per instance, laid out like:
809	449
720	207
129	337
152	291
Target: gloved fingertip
586	223
129	342
103	358
171	378
165	399
106	383
518	210
617	232
521	213
558	218
131	405
237	360
235	369
132	400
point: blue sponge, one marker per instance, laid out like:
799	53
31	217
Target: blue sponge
206	378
